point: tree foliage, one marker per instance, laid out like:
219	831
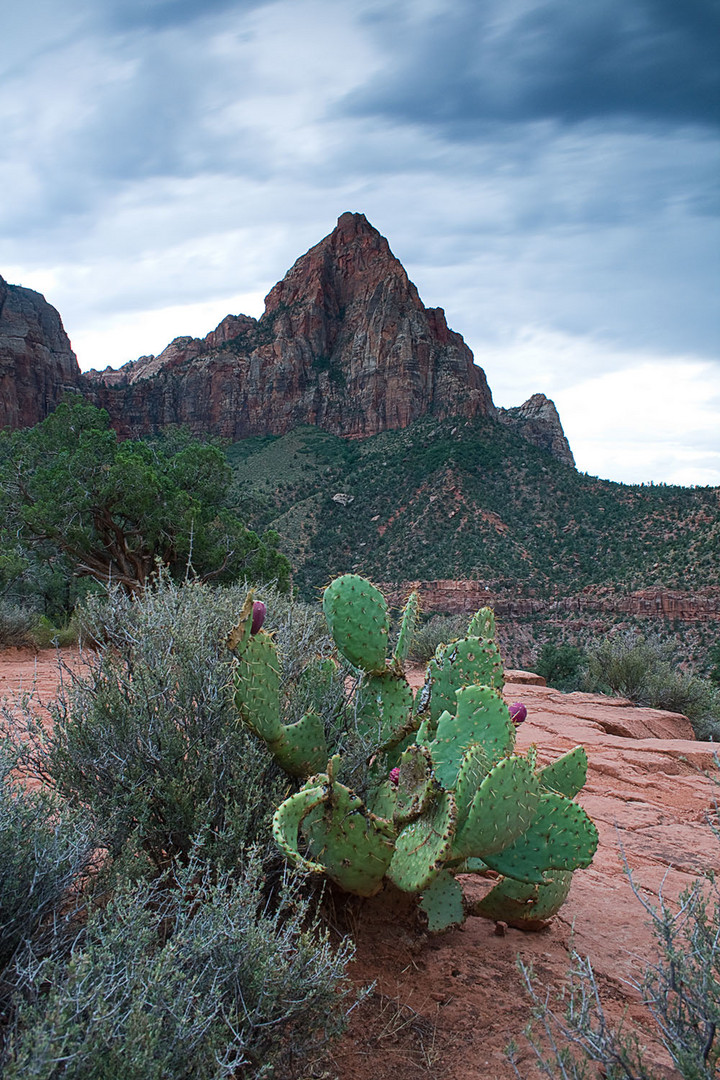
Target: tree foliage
115	510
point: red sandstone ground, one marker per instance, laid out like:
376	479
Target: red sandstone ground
447	1006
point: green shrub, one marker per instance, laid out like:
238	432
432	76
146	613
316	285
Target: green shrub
16	625
46	633
620	665
561	665
146	735
195	979
640	670
438	630
43	849
714	657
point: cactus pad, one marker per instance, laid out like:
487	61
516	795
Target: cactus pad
527	907
257	686
506	803
239	636
438	694
475	662
482	719
357	615
286	824
473	769
482	624
566	775
407	628
424	845
561	837
442	902
354	852
300	749
385	714
415	788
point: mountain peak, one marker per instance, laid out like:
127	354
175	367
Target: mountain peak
345	343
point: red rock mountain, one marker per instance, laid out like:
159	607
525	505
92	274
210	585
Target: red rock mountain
537	421
37	364
345	343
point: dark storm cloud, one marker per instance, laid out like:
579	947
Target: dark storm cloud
464	63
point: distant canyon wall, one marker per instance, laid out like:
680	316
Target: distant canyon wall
465	597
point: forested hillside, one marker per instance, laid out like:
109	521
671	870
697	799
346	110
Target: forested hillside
469	499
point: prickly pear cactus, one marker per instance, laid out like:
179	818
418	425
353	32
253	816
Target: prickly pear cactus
444	790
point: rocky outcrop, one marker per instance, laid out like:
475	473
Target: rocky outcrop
456	597
651	792
344	343
537	420
37	364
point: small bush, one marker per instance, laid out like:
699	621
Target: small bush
640	670
147	735
196	979
438	630
47	634
561	665
681	991
714	658
16	625
43	849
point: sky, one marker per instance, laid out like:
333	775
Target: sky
547	172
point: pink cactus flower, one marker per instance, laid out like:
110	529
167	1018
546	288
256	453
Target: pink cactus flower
394	776
258	616
518	713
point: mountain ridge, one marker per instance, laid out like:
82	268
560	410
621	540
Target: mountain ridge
345	343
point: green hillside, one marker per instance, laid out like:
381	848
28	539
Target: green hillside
469	499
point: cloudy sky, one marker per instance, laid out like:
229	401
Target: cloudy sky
548	172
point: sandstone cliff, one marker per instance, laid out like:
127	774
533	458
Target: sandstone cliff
462	596
537	421
344	343
37	364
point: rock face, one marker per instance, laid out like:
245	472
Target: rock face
37	364
460	596
537	421
344	343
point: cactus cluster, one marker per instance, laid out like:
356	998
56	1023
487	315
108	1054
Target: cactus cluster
446	793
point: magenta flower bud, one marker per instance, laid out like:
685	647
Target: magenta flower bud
518	713
258	619
394	776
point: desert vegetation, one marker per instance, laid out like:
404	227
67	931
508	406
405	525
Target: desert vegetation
680	990
81	508
163	832
148	922
143	873
467	499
